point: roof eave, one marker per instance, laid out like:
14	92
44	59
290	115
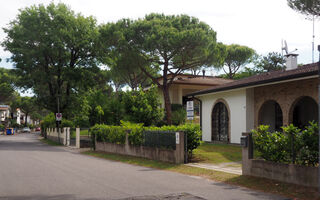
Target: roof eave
293	76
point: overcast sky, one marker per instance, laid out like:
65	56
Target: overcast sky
259	24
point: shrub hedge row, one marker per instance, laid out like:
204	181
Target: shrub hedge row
116	134
292	145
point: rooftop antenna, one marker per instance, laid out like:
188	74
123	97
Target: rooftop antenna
284	47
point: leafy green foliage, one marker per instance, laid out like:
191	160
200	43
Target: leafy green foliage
271	62
7	79
167	44
135	132
49	121
309	146
192	131
112	134
236	57
291	146
54	52
143	106
116	134
307	7
179	114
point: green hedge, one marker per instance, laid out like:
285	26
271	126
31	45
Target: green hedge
292	145
116	134
106	133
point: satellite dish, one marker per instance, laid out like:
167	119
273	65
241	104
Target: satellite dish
284	47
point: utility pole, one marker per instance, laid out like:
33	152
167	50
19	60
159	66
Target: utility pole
313	39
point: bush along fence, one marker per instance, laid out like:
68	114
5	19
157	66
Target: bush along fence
168	143
289	156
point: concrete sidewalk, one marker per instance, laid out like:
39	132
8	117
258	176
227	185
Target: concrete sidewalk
232	167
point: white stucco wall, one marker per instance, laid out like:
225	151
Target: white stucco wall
237	103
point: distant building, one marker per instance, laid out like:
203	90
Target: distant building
4	114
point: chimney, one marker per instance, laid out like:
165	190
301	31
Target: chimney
291	61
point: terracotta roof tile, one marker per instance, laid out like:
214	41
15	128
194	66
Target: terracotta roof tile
199	80
268	77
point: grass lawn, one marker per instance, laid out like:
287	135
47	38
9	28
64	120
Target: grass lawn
82	133
217	153
260	184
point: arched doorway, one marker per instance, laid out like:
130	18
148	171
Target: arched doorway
304	111
271	114
220	123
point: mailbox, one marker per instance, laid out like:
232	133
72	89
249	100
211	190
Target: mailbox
244	141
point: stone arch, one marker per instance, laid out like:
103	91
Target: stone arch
220	121
303	110
270	113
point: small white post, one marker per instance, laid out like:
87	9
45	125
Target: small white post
78	138
68	136
64	136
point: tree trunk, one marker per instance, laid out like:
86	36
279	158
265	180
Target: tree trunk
167	104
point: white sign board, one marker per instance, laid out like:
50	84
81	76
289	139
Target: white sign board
177	138
190	112
58	116
189	105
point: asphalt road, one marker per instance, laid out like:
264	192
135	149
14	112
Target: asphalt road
30	169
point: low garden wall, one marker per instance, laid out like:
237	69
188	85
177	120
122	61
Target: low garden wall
62	138
289	173
154	153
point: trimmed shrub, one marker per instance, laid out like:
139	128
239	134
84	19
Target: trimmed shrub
308	153
135	132
117	134
290	146
272	146
192	131
112	134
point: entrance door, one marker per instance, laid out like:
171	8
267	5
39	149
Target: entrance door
220	123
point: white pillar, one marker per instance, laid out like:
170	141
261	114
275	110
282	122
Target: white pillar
68	136
64	136
78	138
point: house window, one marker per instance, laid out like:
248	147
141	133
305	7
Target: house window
271	114
304	111
220	123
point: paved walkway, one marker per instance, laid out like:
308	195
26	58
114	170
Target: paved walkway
31	170
233	168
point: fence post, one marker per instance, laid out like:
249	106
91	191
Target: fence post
180	152
247	154
78	138
64	136
68	136
186	153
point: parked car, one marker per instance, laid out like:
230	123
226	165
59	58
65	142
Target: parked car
38	129
26	130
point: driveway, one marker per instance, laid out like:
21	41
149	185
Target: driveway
30	169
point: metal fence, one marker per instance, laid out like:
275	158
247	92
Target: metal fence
160	139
